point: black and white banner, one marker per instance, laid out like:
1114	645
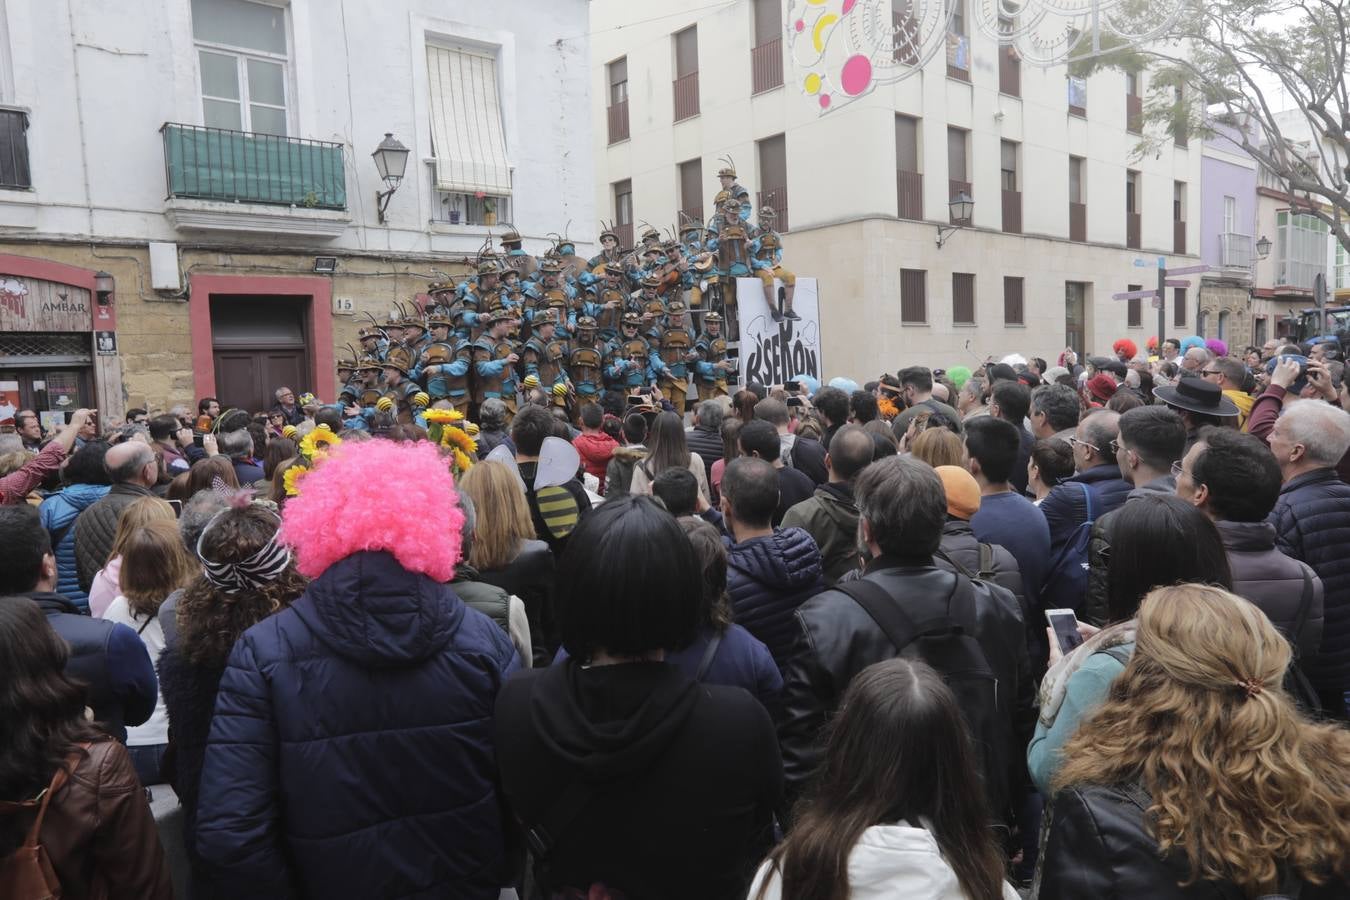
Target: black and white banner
774	352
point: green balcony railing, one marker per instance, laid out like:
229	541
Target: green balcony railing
238	166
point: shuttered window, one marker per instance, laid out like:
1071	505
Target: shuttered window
1134	310
1012	301
913	296
963	298
468	140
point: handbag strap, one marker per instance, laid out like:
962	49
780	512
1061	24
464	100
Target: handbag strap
1304	607
709	654
42	800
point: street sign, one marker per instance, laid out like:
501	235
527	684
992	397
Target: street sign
1143	263
1188	270
1134	295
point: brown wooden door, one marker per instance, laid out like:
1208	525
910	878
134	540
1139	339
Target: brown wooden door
259	345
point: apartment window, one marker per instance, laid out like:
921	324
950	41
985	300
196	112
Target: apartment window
1077	96
468	140
1259	331
1012	197
1133	221
909	183
14	169
1181	126
1013	312
616	74
242	60
1076	194
1008	164
766	58
1009	63
913	296
906	31
686	73
1342	280
691	191
1230	215
1077	200
1178	217
772	153
1134	315
958	44
623	211
1300	249
1134	103
957	172
1179	307
963	298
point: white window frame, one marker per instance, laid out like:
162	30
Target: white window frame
241	56
1301	250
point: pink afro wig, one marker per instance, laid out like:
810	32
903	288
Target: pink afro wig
1126	346
377	495
1217	347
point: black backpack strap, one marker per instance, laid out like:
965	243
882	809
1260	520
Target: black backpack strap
890	617
542	836
986	572
1304	608
709	655
942	555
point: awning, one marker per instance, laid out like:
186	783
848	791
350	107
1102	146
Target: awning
468	141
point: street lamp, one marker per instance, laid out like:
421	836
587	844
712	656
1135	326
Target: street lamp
391	159
1263	247
103	287
962	208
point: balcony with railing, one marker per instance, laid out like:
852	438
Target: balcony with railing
777	199
14	170
617	116
1178	236
1133	227
1012	212
1077	221
1300	274
955	187
1134	113
1235	251
909	190
218	179
686	96
766	66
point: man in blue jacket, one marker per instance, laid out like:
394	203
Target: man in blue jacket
107	657
1064	507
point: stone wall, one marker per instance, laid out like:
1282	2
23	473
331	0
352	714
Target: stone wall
1235	299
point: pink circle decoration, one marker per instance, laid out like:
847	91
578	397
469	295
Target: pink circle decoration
800	25
856	75
824	101
847	7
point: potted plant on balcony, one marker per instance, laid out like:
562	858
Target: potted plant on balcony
489	208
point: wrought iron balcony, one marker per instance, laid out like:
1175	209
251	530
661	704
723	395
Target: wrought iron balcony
243	167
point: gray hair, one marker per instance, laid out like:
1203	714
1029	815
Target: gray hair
236	444
902	500
492	414
197	512
466	531
1200	353
710	414
282	390
1322	429
1059	403
1100	428
141	457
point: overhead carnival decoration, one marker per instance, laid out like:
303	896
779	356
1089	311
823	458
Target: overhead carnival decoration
842	50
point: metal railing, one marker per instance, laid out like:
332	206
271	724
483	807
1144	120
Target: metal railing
1235	250
618	122
958	56
1297	274
909	195
1134	113
1178	236
14	169
459	208
1133	226
239	166
1012	212
955	187
766	66
778	199
1077	221
625	233
1009	72
686	96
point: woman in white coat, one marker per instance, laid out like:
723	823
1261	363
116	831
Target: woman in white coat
898	796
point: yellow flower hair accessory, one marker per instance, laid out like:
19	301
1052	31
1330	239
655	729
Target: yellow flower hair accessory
317	442
291	480
443	416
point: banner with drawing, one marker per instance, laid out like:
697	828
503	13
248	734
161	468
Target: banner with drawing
774	352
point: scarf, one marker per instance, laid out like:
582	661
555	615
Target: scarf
252	573
1055	684
1244	402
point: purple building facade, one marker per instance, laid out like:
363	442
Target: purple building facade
1228	219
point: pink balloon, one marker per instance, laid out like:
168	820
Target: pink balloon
824	101
847	7
800	25
856	75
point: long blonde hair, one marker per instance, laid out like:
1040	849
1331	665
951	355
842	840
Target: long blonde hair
1241	782
503	516
154	565
138	513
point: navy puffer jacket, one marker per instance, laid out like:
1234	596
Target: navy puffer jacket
768	578
351	752
1312	524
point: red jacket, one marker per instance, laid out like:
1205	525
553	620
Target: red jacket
595	450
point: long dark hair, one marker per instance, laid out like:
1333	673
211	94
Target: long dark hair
666	445
1159	540
41	709
715	611
898	751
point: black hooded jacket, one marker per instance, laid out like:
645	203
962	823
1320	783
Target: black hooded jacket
680	778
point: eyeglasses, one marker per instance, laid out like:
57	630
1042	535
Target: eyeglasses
1177	470
1075	441
1210	372
1115	447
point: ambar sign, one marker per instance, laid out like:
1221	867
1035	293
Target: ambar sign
28	304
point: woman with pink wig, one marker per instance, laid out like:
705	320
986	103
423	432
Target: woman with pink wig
351	753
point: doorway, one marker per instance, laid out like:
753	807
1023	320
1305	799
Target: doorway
1075	316
259	344
50	373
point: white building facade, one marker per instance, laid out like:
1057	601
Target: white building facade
1061	210
214	158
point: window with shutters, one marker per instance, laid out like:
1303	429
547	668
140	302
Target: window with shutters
1134	316
963	298
623	212
772	155
691	191
913	296
617	110
468	139
909	183
1178	307
686	73
1012	301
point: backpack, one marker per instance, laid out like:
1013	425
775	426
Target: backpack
947	642
987	571
1066	578
27	873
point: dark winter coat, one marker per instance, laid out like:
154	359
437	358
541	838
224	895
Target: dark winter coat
59	512
831	518
488	599
680	779
962	547
1273	581
1095	604
1099	845
767	579
1312	524
97	526
109	659
619	472
1065	508
351	753
707	443
530	577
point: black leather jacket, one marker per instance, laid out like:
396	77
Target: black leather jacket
838	639
1098	846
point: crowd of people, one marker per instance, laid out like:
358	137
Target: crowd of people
1075	631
